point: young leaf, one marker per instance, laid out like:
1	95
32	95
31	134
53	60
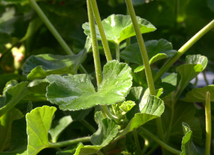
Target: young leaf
58	126
75	92
156	49
13	94
188	147
6	121
119	27
151	108
199	94
38	124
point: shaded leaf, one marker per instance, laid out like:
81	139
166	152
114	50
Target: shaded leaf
138	2
156	49
6	121
58	127
119	27
188	147
38	124
75	92
13	94
210	4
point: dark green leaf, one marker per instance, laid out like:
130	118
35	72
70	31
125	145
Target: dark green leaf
38	124
188	147
138	2
75	92
210	4
119	27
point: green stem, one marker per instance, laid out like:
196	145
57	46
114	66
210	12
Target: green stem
101	30
183	49
205	77
208	124
53	30
161	143
145	61
152	149
95	48
69	142
87	125
108	114
146	144
135	135
117	47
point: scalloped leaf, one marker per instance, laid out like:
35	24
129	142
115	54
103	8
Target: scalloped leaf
151	108
188	147
119	27
156	49
75	92
38	124
199	94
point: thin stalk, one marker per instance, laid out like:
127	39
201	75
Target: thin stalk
161	143
183	49
135	135
101	30
146	144
152	149
95	48
87	125
196	81
69	142
117	47
53	30
208	124
145	61
205	78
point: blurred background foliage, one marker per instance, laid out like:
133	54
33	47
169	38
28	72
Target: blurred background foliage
23	34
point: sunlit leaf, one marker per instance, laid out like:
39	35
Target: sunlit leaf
38	124
119	27
75	92
156	49
188	147
58	127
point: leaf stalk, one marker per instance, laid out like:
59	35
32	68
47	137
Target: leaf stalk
208	124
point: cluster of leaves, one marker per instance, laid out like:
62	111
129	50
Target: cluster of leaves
50	101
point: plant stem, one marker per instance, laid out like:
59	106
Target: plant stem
145	61
208	124
183	49
205	78
117	47
161	143
53	30
87	125
135	135
152	149
69	142
95	48
101	30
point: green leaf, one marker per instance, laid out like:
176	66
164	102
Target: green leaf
58	127
6	121
210	4
119	27
195	65
70	150
138	2
106	132
151	108
12	96
156	49
38	124
199	94
75	92
42	65
188	147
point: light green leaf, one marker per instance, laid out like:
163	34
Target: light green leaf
13	94
156	49
58	127
38	124
6	121
195	65
119	27
199	94
188	147
75	92
151	108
